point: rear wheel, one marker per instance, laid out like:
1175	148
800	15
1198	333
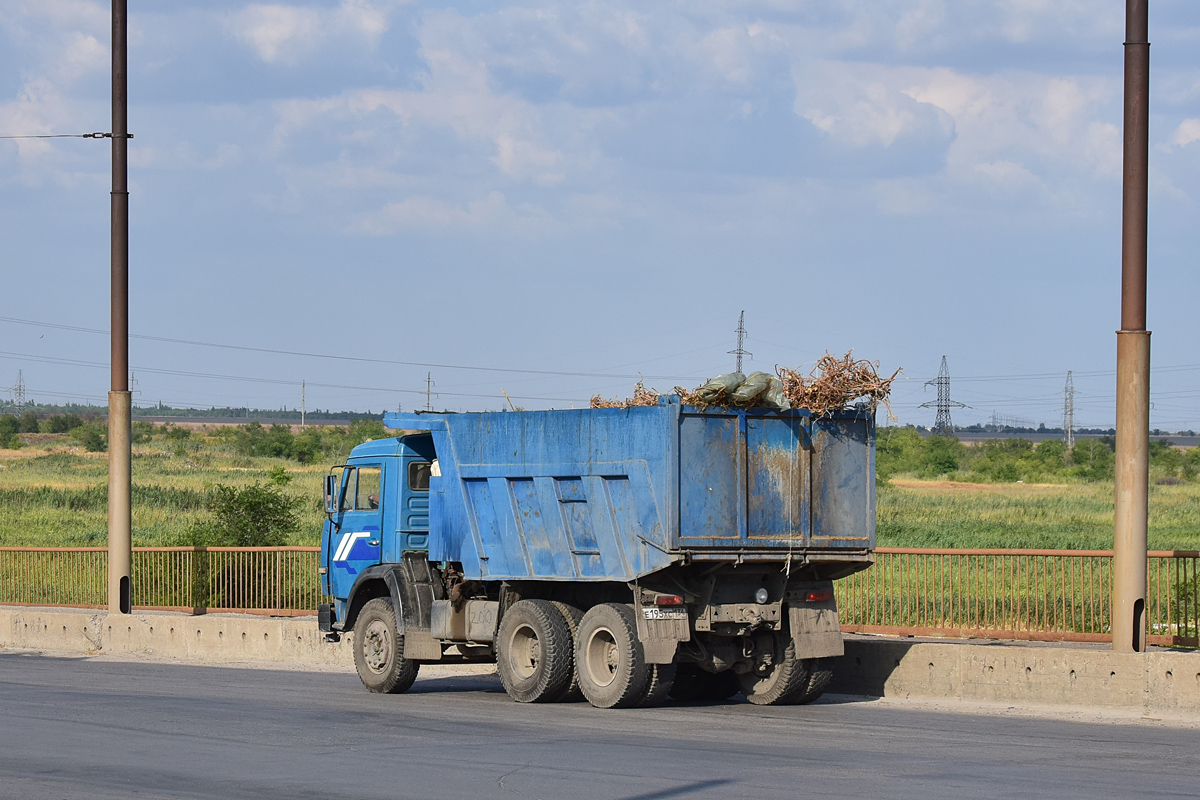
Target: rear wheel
378	650
820	675
781	684
533	653
573	616
662	677
693	684
612	667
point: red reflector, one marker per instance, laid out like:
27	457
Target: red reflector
668	600
818	595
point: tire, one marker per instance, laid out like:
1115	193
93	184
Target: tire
378	650
534	652
820	675
573	616
662	678
694	685
612	667
784	684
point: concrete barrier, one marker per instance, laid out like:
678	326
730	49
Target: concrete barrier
205	639
1087	676
1023	674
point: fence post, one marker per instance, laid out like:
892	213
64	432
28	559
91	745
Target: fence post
278	579
199	579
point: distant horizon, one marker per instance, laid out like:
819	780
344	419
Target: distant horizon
327	414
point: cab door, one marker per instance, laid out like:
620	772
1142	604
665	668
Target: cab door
358	525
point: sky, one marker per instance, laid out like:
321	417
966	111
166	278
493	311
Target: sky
547	200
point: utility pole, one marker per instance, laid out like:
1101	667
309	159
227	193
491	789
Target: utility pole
1069	411
302	407
120	522
741	334
429	391
1133	348
943	426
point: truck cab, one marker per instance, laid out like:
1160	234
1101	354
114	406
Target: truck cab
377	510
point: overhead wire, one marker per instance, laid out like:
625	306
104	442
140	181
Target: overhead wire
359	359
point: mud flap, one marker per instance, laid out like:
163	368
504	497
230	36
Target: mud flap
815	630
660	637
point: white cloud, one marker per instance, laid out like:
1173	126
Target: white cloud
857	109
457	98
1187	132
284	34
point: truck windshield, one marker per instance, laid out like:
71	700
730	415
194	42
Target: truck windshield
367	497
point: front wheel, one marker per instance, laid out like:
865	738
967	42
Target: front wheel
378	650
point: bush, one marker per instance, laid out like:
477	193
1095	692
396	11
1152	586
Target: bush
176	434
254	516
93	436
63	423
1093	459
141	431
254	440
29	422
942	454
9	426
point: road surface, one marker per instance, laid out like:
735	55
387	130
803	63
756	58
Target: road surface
76	727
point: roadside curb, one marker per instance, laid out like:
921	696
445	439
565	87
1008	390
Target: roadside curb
1155	682
202	639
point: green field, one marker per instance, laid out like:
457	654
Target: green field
1070	516
60	498
54	493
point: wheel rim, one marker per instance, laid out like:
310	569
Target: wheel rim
524	652
603	657
377	646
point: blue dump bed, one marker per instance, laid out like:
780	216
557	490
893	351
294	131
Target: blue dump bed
614	494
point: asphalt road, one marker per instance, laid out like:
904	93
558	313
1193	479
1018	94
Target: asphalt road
83	728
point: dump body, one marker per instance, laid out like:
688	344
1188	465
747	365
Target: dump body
629	552
619	493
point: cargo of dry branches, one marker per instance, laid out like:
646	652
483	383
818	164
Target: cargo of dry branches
833	384
641	397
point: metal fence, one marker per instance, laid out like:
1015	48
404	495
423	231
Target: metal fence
1048	595
264	580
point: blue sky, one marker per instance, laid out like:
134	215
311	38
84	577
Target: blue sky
596	188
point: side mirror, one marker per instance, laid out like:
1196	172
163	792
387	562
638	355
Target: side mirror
331	494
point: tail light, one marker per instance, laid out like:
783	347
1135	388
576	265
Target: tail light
668	600
818	595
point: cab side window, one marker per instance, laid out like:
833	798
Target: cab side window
367	494
418	476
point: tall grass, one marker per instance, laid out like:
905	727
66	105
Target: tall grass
1075	516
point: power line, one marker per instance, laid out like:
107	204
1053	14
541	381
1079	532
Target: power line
359	359
274	381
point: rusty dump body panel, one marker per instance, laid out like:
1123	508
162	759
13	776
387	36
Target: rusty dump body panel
619	493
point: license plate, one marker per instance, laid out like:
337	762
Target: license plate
664	613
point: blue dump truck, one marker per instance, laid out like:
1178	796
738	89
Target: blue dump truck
617	555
